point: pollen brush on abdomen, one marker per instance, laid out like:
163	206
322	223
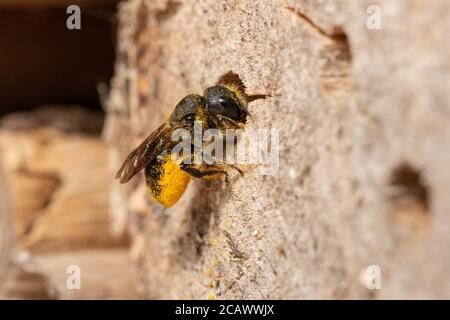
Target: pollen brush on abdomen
166	182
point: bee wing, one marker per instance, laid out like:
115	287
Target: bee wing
147	151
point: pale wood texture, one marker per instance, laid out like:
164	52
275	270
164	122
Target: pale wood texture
55	168
6	229
58	181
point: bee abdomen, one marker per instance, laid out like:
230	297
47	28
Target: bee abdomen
166	181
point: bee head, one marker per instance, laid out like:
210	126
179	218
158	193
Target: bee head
225	108
188	108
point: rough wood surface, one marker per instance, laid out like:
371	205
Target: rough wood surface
364	148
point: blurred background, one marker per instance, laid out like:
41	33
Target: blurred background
53	172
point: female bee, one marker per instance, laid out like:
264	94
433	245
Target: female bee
223	106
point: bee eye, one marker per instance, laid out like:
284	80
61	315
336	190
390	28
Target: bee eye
189	117
225	104
224	107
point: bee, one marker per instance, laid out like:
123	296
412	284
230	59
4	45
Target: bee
222	106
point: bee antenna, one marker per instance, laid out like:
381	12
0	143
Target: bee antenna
254	97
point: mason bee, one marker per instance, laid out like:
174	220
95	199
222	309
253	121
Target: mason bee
222	106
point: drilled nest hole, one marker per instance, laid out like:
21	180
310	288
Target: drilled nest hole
410	202
409	185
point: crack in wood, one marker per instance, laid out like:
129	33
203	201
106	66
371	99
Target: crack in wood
338	36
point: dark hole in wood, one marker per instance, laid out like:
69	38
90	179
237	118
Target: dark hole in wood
409	184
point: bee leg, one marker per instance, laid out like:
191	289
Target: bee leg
220	164
203	172
237	169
